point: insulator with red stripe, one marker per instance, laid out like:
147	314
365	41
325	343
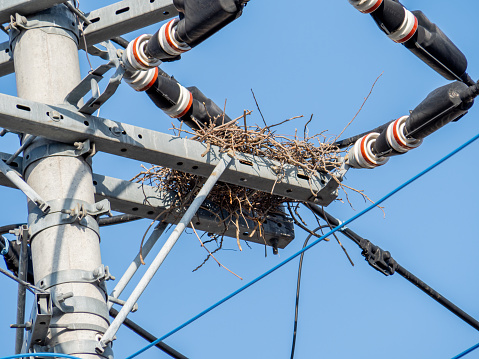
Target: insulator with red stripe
134	57
362	155
366	6
141	80
165	45
189	105
406	30
393	141
417	33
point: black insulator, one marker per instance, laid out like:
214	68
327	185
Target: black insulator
382	147
389	16
201	19
165	92
433	47
443	105
203	111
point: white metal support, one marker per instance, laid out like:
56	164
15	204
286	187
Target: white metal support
107	338
136	263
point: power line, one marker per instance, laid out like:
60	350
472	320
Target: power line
464	353
298	287
342	225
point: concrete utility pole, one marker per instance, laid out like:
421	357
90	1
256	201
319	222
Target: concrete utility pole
65	245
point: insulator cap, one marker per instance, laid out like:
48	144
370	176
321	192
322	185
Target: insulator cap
135	58
361	155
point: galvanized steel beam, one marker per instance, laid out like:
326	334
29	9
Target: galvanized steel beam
107	22
148	202
150	146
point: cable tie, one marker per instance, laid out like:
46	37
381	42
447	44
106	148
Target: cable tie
342	229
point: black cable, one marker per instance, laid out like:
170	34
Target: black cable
148	336
351	140
10	227
411	278
103	222
122	218
120	41
298	287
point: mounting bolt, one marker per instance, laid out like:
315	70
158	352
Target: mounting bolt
99	206
55	115
116	131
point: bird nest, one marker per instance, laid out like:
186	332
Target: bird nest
311	154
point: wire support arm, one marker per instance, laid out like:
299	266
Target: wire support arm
383	262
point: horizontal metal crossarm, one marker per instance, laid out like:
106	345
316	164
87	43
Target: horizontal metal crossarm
149	202
150	146
126	16
107	22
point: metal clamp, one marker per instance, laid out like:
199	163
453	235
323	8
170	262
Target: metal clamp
59	219
78	347
67	303
85	149
99	276
66	25
377	258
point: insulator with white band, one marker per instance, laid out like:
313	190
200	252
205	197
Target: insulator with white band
167	39
183	104
366	6
397	139
135	58
361	154
407	29
142	80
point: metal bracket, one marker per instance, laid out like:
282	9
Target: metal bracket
78	348
122	302
90	82
377	258
64	25
99	276
86	149
67	303
59	219
39	321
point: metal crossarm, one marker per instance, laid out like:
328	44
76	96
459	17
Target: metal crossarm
149	202
150	146
107	22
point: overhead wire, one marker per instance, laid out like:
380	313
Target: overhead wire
468	351
298	287
337	228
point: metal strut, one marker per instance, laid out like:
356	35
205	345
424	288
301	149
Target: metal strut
107	338
383	262
15	178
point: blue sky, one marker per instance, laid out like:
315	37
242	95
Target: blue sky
308	58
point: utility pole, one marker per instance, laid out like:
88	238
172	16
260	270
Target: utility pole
65	241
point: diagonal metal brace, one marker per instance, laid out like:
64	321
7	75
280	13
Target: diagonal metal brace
161	256
15	178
